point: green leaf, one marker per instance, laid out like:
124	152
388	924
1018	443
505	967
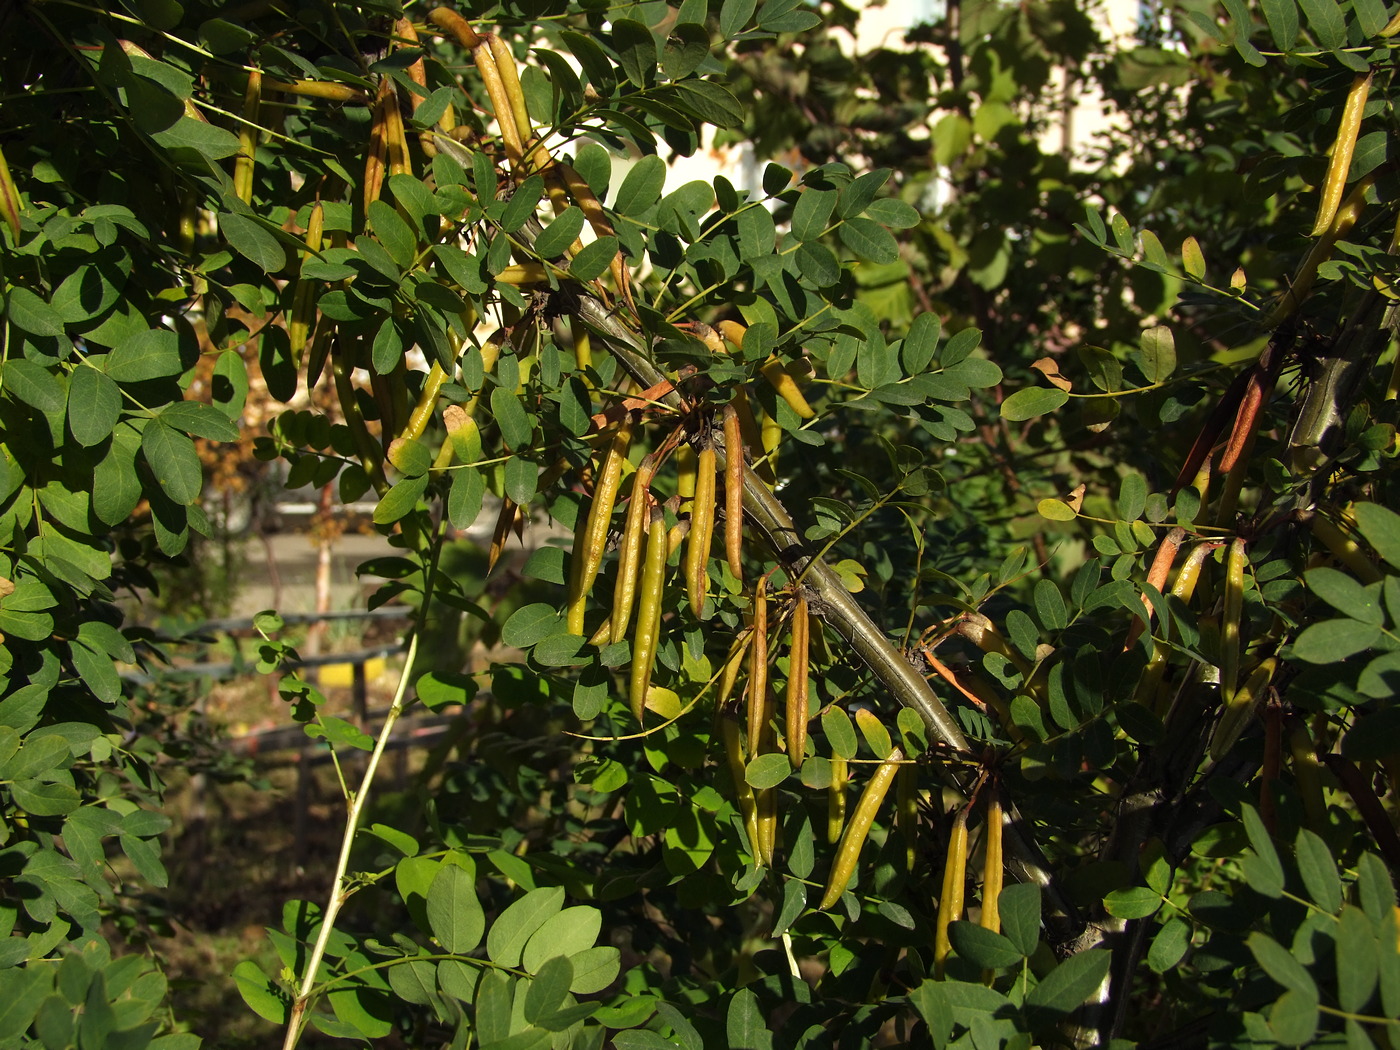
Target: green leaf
768	770
393	233
1133	902
1380	526
1050	606
1371	14
149	354
1329	27
530	624
812	213
1346	595
554	241
196	418
1019	906
1334	640
1280	964
454	912
94	406
1031	402
743	1025
173	460
1319	871
893	212
868	239
595	259
1282	16
641	189
400	500
549	990
414	981
1157	353
516	429
1358	968
30	313
1068	985
33	384
710	101
1293	1018
930	998
1169	946
840	734
991	951
595	969
1267	856
572	931
734	17
263	997
515	926
366	1010
250	239
465	496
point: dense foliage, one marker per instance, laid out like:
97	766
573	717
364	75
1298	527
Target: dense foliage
980	623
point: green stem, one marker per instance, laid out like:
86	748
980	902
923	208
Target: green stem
339	893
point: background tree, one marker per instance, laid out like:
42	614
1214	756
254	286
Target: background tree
1151	715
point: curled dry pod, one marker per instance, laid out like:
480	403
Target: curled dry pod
303	299
854	836
702	531
950	901
743	792
836	799
589	554
9	199
733	493
629	551
1156	576
758	667
1232	610
648	614
796	714
1239	709
786	387
245	161
1343	147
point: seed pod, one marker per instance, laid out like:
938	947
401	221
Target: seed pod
686	465
1231	612
303	314
584	569
702	530
853	838
786	387
1239	709
395	141
992	870
9	199
733	493
836	799
509	517
733	750
733	664
758	667
1343	147
767	804
733	331
648	614
906	811
630	549
950	902
796	722
377	157
1157	577
1345	549
1307	773
326	89
244	163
